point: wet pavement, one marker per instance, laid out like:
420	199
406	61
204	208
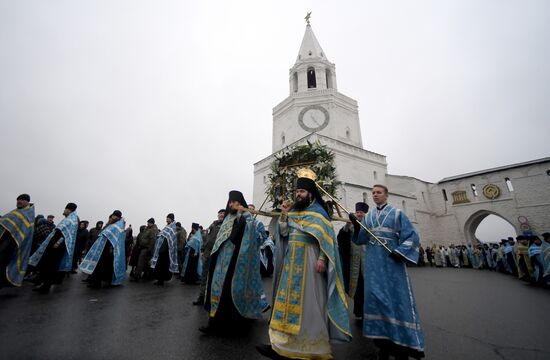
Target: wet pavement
465	314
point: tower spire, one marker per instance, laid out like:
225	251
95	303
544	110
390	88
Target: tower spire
310	48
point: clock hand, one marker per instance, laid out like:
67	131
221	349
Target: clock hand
314	120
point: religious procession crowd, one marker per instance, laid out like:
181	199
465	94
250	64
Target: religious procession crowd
316	274
527	257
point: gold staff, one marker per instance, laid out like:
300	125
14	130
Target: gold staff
357	221
261	206
276	214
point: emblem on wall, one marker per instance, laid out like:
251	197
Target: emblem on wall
491	191
524	225
460	197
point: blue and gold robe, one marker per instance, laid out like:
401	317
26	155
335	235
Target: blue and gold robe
167	234
116	235
310	226
390	310
246	282
68	227
20	224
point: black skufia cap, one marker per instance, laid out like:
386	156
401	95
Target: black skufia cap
361	206
71	206
25	197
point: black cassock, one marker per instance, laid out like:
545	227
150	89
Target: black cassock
345	249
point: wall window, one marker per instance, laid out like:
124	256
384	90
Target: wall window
283	139
509	184
444	194
474	189
404	205
375	175
348	133
365	197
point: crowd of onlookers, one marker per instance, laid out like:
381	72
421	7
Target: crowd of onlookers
527	257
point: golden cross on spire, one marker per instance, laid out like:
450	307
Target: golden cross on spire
308	16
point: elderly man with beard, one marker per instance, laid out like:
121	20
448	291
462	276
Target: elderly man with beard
234	283
310	304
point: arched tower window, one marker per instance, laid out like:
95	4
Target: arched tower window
311	80
375	175
348	133
295	82
404	206
474	189
329	78
365	197
509	184
283	139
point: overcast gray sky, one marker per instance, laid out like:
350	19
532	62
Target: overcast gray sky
153	107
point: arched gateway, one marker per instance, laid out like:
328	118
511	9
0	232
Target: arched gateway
473	222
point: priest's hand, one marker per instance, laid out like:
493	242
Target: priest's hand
321	266
355	221
286	205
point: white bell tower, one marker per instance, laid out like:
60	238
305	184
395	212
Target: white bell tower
315	111
314	104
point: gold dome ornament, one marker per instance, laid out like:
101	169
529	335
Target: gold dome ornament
306	173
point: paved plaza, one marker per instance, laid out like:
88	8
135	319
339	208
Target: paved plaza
465	314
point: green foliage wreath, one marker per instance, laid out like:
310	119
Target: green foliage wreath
282	180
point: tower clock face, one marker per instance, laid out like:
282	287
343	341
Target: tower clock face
313	118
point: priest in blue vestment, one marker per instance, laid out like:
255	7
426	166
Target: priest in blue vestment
165	254
54	257
234	286
191	269
16	232
390	316
309	300
106	259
